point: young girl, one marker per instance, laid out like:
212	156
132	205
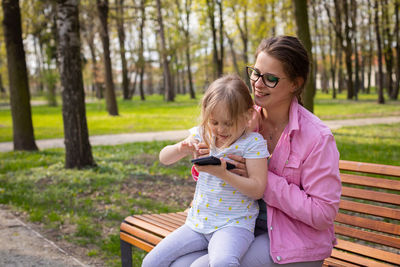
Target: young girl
221	218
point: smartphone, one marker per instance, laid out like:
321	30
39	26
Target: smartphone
211	160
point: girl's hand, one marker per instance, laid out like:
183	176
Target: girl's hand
240	164
188	146
216	170
201	150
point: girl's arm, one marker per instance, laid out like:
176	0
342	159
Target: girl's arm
173	153
253	186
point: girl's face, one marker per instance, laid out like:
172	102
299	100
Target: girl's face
282	93
223	128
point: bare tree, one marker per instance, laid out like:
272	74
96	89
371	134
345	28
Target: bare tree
185	28
395	93
381	99
111	102
78	152
169	90
122	51
141	61
303	31
23	136
344	37
218	53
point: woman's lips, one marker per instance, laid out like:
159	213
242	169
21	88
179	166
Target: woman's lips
261	93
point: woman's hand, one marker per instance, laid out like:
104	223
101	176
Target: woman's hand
240	164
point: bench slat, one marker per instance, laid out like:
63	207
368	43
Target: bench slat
160	218
368	251
369	168
368	223
141	234
338	263
148	226
148	218
371	195
369	209
368	236
370	181
136	242
168	219
355	259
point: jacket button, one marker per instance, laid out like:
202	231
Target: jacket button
270	228
278	258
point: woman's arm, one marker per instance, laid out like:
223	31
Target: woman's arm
253	186
173	153
316	201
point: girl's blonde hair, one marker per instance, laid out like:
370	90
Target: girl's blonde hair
231	91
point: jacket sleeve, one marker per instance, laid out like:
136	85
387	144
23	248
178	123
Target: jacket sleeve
316	201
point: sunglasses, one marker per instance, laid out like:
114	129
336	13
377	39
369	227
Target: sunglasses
268	79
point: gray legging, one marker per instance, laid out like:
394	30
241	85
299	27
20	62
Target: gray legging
256	256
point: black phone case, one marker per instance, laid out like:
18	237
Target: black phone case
211	160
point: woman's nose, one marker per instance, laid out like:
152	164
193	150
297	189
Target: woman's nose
259	82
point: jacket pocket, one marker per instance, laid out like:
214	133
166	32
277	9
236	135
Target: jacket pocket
291	171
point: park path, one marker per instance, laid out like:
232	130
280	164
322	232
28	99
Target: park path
21	245
116	139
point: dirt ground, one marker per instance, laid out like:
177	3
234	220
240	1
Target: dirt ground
36	249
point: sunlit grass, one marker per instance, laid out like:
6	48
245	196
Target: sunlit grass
155	114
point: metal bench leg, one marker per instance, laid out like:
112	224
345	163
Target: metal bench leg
126	254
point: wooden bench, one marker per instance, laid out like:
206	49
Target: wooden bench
367	225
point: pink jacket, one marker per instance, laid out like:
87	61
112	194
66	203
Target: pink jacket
303	190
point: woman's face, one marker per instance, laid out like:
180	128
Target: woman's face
282	93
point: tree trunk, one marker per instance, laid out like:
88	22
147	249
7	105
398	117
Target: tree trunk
333	61
348	50
98	88
395	93
23	136
388	46
122	50
169	90
188	5
381	99
78	152
370	50
356	59
217	54
111	102
141	62
303	31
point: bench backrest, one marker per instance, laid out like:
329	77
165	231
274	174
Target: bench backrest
369	214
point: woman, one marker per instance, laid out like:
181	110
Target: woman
295	226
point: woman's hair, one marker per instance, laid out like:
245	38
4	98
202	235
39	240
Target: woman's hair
294	57
232	93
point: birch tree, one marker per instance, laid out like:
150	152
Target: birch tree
78	152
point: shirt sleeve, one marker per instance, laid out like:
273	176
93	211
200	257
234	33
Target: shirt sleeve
195	133
316	201
257	147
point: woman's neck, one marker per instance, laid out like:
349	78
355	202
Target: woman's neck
277	116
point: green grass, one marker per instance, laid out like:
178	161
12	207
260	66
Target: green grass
85	207
154	114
